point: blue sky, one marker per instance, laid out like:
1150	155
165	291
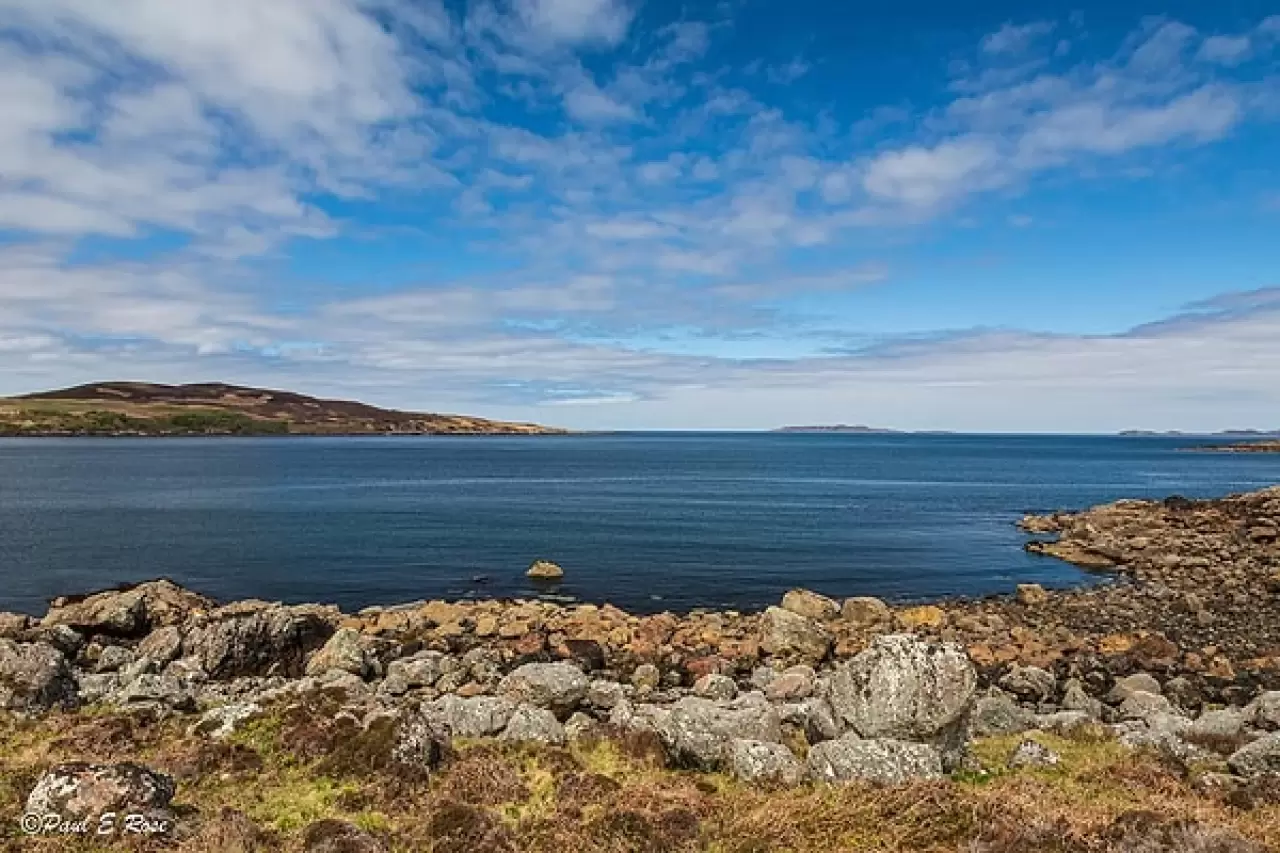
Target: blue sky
622	214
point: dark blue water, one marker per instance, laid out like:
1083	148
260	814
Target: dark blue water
648	522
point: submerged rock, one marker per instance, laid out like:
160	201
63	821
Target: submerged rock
544	570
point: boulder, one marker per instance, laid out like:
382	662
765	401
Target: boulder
147	689
698	732
883	761
536	725
1224	725
904	687
1074	698
924	616
420	744
260	639
34	677
788	635
604	694
421	670
646	677
713	686
1139	705
762	761
1258	758
544	570
13	626
814	716
344	651
1031	594
224	720
129	612
1140	681
810	605
795	683
1030	683
161	645
81	791
1032	753
1264	711
556	686
475	716
866	612
998	714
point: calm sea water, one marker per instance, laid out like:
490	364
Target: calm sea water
647	521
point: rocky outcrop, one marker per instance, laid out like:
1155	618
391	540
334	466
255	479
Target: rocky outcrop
256	638
128	612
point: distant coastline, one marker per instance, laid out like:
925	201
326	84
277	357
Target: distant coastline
143	409
857	429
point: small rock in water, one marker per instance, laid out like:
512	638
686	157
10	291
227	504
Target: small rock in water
544	570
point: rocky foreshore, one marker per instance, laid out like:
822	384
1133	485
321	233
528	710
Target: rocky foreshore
1181	655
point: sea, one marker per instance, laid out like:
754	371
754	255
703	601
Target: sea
646	521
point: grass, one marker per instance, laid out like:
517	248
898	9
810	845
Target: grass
106	418
280	776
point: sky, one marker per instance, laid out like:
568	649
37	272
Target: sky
643	214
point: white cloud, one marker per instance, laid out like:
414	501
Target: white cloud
1225	50
927	177
1013	38
577	22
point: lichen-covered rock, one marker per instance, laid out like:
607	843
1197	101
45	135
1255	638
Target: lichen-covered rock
87	791
1258	758
798	682
155	690
998	714
810	605
130	612
555	686
761	761
697	732
344	651
536	725
1032	753
904	687
1225	725
715	686
421	743
255	638
1031	594
34	677
1030	683
474	716
162	645
791	636
1264	711
224	720
882	760
866	612
1139	704
1138	682
813	716
604	694
1075	698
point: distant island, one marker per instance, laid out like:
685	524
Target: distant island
857	429
1226	433
216	408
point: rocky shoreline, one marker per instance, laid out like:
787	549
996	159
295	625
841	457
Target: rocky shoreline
1181	655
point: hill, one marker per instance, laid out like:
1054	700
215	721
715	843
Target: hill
216	408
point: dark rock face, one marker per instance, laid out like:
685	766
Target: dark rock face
35	677
78	791
241	640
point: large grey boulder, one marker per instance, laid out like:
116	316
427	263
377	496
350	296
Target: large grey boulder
1224	725
534	725
1258	758
761	761
87	791
698	732
256	638
558	687
1139	681
34	677
905	687
998	714
791	636
1076	698
1139	704
129	612
882	760
1264	711
150	690
475	716
814	716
